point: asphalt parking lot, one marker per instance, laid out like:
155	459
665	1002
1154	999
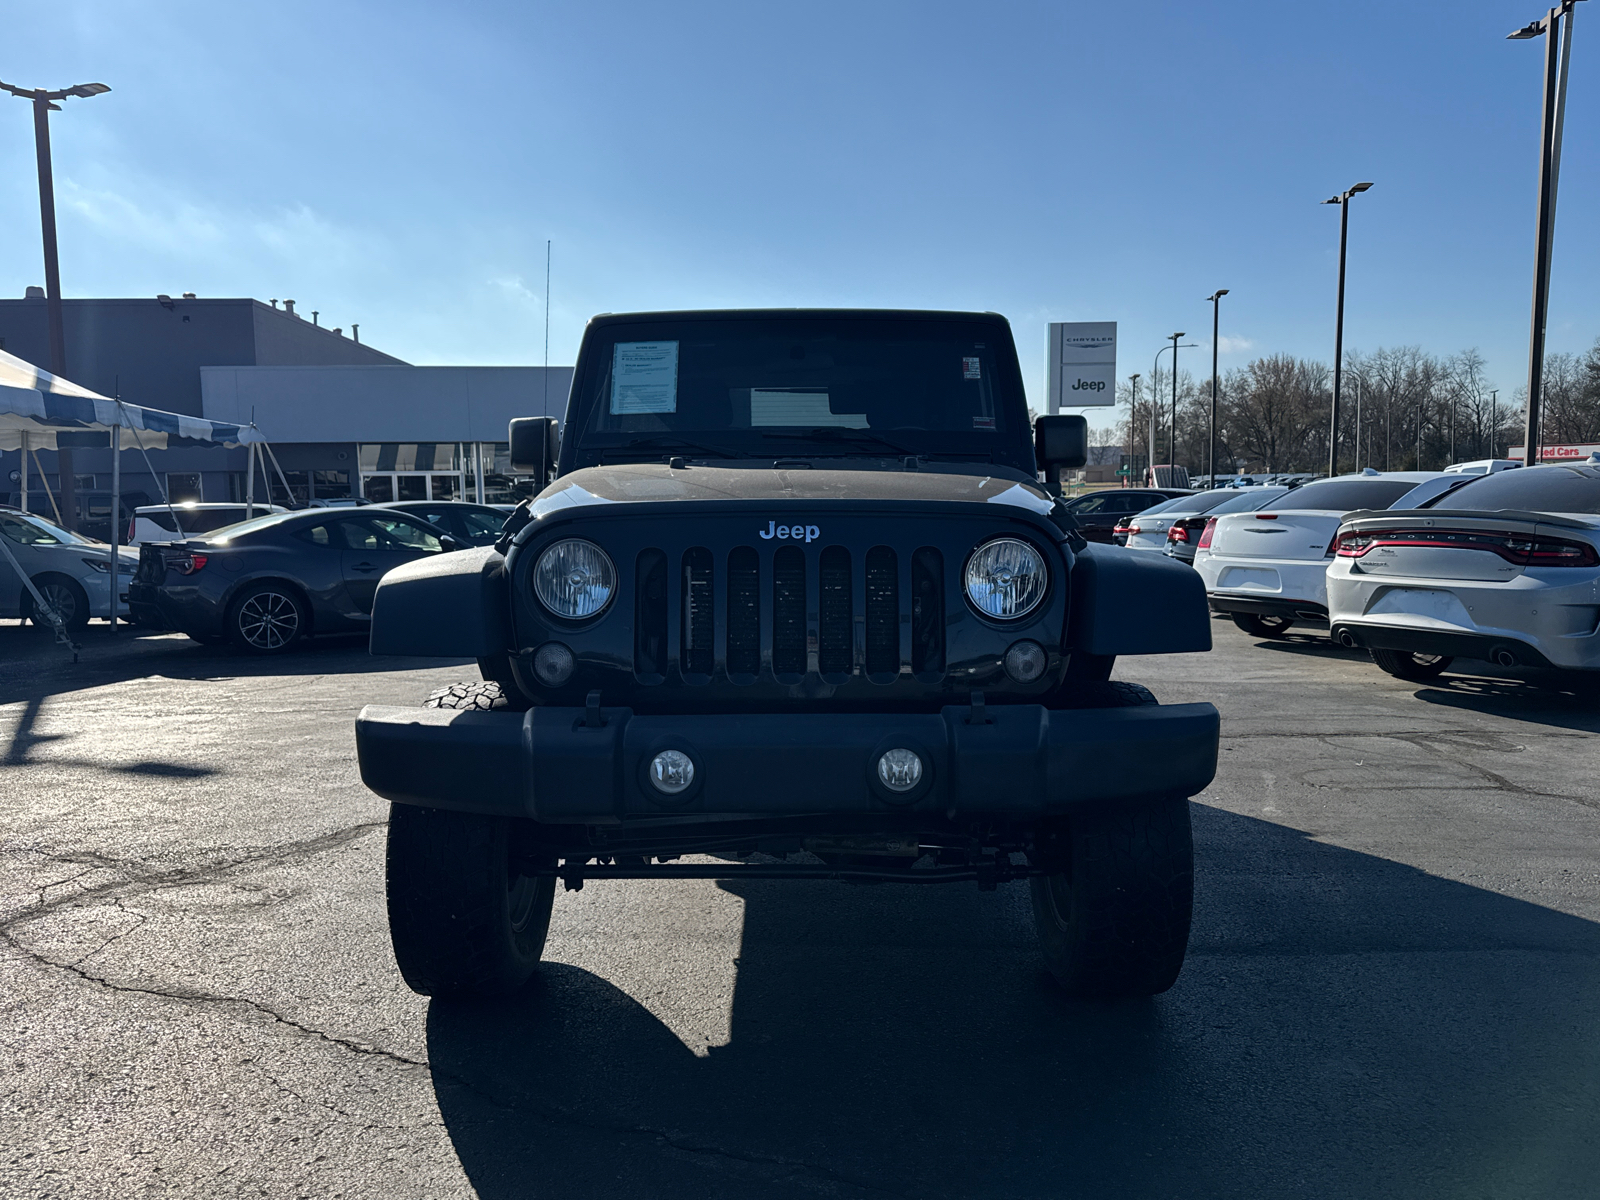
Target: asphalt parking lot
1393	986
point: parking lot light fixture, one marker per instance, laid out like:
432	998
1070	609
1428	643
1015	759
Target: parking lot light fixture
44	103
1343	201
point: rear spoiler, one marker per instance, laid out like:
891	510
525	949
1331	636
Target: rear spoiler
1469	514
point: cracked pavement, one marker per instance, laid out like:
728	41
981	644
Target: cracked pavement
1393	985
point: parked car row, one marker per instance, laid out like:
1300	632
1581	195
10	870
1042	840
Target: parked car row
1420	568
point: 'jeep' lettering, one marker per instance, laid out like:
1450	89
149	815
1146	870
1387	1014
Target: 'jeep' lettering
1089	385
808	533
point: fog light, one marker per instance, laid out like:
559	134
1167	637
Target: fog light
553	664
671	771
1026	661
900	770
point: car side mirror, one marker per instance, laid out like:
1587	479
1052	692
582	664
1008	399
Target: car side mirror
450	543
1060	442
535	443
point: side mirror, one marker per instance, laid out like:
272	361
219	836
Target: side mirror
449	543
1060	441
535	442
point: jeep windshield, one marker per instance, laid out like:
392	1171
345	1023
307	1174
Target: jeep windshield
781	387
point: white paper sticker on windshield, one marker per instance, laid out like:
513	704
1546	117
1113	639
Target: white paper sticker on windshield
970	369
779	407
644	377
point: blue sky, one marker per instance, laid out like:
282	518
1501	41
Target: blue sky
401	165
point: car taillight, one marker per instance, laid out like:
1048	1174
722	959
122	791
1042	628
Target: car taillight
132	524
1131	529
1177	534
1333	544
186	563
1205	534
1514	548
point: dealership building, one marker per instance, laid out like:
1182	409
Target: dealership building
342	418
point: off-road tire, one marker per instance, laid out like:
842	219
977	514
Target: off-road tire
486	696
463	920
1262	627
1113	916
1411	666
63	592
1112	693
268	618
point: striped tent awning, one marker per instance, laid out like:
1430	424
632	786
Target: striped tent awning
38	404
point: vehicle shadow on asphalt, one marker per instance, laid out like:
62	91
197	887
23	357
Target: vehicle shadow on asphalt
35	670
1541	697
1346	1025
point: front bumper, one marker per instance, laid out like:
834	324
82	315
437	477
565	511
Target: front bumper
577	766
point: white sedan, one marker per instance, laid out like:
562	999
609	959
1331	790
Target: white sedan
1505	569
1267	569
72	573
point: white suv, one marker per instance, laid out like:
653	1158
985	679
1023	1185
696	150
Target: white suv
1505	569
155	523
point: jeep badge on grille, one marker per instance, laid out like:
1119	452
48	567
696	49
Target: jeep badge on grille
807	533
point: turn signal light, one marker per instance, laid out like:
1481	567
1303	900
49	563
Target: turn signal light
1205	534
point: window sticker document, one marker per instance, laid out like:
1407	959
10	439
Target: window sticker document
644	377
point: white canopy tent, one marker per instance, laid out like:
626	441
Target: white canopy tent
36	407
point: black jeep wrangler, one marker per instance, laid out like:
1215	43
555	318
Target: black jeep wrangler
795	605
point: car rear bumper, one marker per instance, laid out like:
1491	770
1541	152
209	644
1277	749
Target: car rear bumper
1307	612
1539	619
556	765
186	610
1503	651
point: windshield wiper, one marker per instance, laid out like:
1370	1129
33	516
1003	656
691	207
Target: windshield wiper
843	433
672	442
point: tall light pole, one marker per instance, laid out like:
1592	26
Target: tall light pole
1172	429
1557	55
1211	457
1155	375
1343	201
43	104
1133	415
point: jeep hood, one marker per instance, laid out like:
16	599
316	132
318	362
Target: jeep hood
656	482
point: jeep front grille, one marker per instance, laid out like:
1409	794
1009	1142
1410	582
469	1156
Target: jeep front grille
862	617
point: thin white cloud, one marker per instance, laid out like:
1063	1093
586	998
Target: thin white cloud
1235	345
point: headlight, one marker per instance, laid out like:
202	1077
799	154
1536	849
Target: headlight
574	579
1005	578
98	564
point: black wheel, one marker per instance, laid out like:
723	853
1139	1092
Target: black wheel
1263	627
267	618
1407	664
463	919
66	598
1113	914
1112	693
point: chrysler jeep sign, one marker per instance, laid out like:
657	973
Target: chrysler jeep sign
1083	364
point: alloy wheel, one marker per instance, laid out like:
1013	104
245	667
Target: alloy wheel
269	620
59	600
